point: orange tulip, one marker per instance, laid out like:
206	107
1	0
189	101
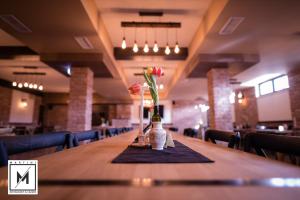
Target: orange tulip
135	88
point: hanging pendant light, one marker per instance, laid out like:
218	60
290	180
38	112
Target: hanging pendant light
26	84
41	87
167	50
155	47
14	83
123	45
135	46
146	47
20	85
176	49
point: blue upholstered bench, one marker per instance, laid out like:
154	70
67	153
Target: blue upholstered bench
10	145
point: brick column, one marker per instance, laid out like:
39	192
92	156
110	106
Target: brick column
246	113
81	99
294	82
218	95
5	104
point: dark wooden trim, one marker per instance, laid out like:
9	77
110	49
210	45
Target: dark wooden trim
151	13
151	24
30	73
269	182
8	84
128	54
9	52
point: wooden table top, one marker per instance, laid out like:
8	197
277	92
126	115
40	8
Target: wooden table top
93	162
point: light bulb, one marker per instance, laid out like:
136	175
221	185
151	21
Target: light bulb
176	50
123	43
155	47
146	47
20	85
14	84
135	47
41	87
35	86
240	95
30	85
167	50
161	86
26	84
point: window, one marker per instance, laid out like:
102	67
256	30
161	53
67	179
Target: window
281	83
273	85
266	87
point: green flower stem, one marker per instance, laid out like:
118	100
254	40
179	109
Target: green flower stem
151	81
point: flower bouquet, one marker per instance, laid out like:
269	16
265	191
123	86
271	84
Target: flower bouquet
157	135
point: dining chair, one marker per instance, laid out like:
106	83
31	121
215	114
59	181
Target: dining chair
11	145
225	136
91	135
276	143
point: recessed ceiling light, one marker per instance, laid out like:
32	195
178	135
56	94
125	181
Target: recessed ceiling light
84	42
231	25
15	23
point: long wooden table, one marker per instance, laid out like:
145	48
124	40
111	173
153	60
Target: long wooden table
104	180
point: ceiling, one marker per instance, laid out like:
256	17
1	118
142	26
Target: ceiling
270	31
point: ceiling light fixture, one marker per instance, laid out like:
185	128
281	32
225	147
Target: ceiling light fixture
176	49
167	50
123	45
146	47
135	46
155	47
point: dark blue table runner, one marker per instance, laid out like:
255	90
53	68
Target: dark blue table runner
179	154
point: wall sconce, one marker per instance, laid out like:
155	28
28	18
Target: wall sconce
240	97
23	103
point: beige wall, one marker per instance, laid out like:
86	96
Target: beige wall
274	107
19	113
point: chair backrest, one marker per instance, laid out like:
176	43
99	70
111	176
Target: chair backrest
276	143
224	136
10	145
86	135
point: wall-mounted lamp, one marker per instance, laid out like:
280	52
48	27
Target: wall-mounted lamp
240	97
23	103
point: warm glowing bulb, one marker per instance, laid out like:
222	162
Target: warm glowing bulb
35	86
146	47
240	95
123	43
155	47
26	84
167	50
41	87
161	86
20	85
14	84
135	47
30	85
176	50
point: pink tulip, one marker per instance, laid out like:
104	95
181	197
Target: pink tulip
135	88
158	71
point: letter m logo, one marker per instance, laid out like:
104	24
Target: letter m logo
22	178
